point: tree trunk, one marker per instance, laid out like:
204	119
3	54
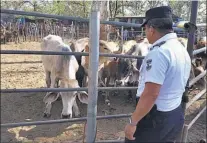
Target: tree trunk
123	7
84	9
103	16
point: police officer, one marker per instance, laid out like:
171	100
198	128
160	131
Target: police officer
158	116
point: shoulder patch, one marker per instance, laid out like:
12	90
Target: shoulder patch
149	64
149	61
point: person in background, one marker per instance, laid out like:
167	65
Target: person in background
125	35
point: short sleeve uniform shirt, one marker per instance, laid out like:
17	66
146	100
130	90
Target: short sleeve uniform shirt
168	64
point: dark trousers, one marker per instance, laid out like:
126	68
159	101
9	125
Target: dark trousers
159	126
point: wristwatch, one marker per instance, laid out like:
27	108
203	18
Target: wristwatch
132	123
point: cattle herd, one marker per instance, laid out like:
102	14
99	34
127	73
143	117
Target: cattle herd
72	71
69	71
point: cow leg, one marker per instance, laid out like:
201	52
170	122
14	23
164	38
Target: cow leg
54	80
15	40
102	83
18	39
48	104
107	101
130	95
4	40
76	109
55	83
48	79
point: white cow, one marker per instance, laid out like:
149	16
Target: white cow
63	68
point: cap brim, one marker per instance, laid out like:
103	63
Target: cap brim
144	23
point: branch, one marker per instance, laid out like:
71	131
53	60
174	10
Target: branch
77	3
110	8
116	8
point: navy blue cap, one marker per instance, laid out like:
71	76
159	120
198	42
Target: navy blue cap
157	12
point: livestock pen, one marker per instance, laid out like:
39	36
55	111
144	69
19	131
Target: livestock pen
93	89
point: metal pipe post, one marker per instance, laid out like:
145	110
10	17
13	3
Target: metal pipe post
185	134
122	37
191	39
94	32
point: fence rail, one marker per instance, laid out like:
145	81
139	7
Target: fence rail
9	125
193	81
196	98
110	141
66	53
17	12
79	19
195	52
196	118
81	53
22	62
63	89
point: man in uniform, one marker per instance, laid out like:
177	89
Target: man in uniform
158	116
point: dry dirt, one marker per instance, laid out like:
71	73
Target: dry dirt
23	107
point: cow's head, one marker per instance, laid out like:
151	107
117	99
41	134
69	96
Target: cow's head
68	98
103	48
127	72
198	62
201	43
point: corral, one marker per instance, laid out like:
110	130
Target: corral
115	134
29	106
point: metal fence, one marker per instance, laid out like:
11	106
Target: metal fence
92	87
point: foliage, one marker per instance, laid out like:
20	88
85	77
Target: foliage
116	7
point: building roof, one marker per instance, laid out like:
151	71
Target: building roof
136	16
130	16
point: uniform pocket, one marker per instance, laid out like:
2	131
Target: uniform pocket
158	120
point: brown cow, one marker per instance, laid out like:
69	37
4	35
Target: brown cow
198	69
82	45
122	68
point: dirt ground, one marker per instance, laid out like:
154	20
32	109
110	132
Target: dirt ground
23	107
